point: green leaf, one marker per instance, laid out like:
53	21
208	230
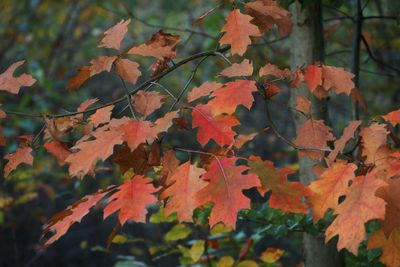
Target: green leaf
178	232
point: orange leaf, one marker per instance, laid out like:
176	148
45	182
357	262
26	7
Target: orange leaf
79	78
59	150
314	133
245	68
233	94
271	255
360	206
226	182
337	78
313	77
62	221
303	104
327	189
114	35
137	132
12	84
181	194
285	195
238	30
127	69
132	200
101	116
100	64
169	165
270	69
147	102
21	155
203	90
372	138
164	123
393	117
218	128
390	246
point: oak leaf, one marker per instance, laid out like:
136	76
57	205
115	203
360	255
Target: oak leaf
13	84
332	184
218	128
226	182
372	138
114	35
233	94
127	69
244	68
204	89
132	199
238	30
180	195
285	195
21	155
360	206
136	132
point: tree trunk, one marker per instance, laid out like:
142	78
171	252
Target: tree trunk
307	42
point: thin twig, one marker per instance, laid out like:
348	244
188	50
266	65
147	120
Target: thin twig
128	97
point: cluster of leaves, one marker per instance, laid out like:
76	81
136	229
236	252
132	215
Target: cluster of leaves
357	186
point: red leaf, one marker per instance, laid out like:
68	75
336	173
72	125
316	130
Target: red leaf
12	84
238	30
59	150
313	77
218	128
137	132
393	117
131	200
203	90
226	182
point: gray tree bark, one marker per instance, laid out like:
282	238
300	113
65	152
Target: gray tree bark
307	47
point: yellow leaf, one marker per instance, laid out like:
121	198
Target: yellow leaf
271	255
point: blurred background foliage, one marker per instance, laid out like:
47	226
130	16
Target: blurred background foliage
57	37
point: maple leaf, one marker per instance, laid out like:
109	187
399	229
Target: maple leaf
313	77
13	84
285	195
233	94
79	78
390	246
132	199
392	117
238	30
332	184
303	104
314	133
267	13
137	132
21	155
59	150
127	69
226	182
169	165
270	69
244	68
218	128
147	102
101	116
372	138
100	64
62	221
203	90
181	194
114	35
337	78
360	206
339	144
164	123
89	152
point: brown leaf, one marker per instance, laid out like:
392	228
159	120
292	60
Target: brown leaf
79	78
372	138
114	35
147	102
100	64
21	155
59	150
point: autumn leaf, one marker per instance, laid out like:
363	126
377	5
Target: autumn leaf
337	78
218	128
180	196
244	68
101	116
360	206
127	159
127	69
242	139
233	94
146	102
132	199
169	165
89	152
285	195
390	246
13	84
203	90
393	117
303	104
79	78
21	155
61	222
313	77
339	144
315	134
164	123
100	64
238	30
226	182
267	13
114	35
59	150
136	132
270	69
271	255
332	184
372	138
